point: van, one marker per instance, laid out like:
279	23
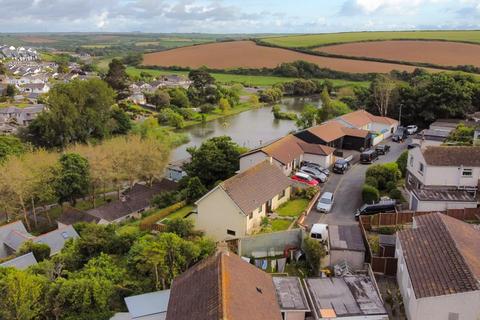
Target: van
319	232
368	156
400	134
380	207
340	166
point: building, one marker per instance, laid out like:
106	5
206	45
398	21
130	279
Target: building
291	298
223	286
22	262
429	137
71	216
236	206
132	203
443	177
346	245
20	116
148	306
439	268
6	231
382	127
354	297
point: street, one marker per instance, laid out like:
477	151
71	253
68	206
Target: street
347	190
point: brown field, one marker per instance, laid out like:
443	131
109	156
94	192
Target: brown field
33	39
229	55
436	52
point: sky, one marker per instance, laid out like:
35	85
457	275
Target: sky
236	16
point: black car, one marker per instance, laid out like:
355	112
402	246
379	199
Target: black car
368	156
400	135
382	149
340	166
413	146
380	207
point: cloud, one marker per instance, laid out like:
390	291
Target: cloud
368	7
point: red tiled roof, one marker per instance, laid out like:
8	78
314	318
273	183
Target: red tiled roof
442	255
223	287
360	118
328	131
285	149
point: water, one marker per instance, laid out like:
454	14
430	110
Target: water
249	129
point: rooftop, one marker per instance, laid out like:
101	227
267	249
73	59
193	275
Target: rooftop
284	150
346	237
437	194
71	215
290	294
452	156
21	262
56	239
344	297
360	118
148	304
442	255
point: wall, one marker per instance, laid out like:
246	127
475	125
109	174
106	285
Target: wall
260	245
256	219
216	213
276	201
292	315
440	205
426	142
324	161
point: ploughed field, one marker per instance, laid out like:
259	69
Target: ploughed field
246	54
441	53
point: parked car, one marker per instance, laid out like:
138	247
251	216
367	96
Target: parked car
368	156
316	166
400	134
380	207
315	174
412	129
413	145
340	166
304	178
325	203
382	149
319	232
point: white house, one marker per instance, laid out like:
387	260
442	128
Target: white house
235	207
443	177
438	269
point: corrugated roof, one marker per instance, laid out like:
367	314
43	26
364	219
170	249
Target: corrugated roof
452	156
253	187
223	286
442	255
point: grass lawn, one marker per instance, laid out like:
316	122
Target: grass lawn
259	81
292	208
312	40
181	213
280	224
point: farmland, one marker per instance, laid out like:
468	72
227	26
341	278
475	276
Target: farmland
246	54
315	40
435	52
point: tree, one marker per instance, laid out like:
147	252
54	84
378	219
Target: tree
3	69
21	297
10	145
122	123
224	105
314	251
117	77
402	163
41	251
215	160
308	117
195	190
63	67
133	59
11	91
73	178
370	194
271	95
383	88
203	89
184	228
170	117
462	135
179	97
161	99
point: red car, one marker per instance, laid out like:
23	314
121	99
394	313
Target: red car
304	178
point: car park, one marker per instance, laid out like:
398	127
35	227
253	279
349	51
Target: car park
316	166
340	166
305	179
374	208
412	129
368	156
382	149
325	203
315	174
400	134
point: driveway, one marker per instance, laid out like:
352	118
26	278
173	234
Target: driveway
347	189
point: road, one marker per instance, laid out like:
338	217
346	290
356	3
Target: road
347	190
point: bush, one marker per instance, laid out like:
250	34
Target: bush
314	251
207	108
195	190
386	230
395	194
305	193
41	251
371	181
384	173
271	95
280	115
390	186
370	194
165	199
169	117
148	222
402	163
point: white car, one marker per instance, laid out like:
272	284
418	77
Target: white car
412	129
325	203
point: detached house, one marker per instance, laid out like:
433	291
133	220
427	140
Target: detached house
236	206
383	127
438	269
442	177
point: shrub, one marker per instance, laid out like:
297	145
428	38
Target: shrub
148	222
169	117
402	163
384	173
280	115
370	194
41	251
371	181
195	190
310	192
186	113
314	251
395	194
165	199
390	185
386	230
207	108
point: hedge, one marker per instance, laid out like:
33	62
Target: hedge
370	194
148	222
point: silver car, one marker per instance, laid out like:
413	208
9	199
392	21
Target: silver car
314	173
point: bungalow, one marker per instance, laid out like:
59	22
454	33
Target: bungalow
438	270
39	88
71	216
22	262
443	177
236	206
383	127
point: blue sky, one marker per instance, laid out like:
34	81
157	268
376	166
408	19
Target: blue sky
237	16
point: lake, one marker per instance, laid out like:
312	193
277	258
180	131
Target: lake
249	129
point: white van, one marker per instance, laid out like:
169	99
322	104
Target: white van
319	232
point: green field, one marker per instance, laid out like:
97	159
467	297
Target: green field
244	79
313	40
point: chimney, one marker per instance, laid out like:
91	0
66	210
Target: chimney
270	159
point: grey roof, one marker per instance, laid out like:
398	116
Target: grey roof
345	237
444	195
290	294
71	215
56	239
434	135
387	239
5	232
21	262
148	304
347	296
15	239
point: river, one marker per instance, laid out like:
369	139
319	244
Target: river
249	129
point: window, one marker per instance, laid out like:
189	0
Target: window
65	235
231	232
411	161
421	168
453	316
283	193
467	173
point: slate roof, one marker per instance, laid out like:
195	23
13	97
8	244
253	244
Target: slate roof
253	187
223	286
442	255
5	231
21	262
56	239
452	156
71	215
345	237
